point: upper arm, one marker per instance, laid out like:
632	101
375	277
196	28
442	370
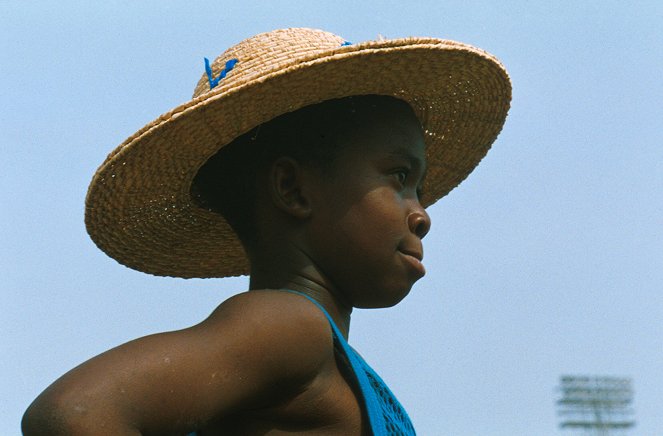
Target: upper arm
254	350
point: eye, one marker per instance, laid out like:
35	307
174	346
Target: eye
401	176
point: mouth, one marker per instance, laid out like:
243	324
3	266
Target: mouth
416	254
413	259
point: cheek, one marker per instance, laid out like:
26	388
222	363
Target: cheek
375	220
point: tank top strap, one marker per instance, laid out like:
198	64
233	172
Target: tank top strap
386	415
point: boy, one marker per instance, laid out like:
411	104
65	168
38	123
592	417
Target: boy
307	161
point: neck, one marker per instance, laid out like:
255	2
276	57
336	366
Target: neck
291	269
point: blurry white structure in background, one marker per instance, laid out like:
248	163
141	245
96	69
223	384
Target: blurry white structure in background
597	405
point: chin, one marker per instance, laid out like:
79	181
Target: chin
383	299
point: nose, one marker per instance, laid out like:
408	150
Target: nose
419	221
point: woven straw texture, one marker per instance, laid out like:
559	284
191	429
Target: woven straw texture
138	207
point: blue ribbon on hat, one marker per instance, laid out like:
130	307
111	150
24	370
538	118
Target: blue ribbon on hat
213	81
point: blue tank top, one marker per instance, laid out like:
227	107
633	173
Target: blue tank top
386	416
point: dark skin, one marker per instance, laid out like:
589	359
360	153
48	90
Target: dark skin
263	362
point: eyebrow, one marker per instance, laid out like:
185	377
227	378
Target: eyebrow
414	160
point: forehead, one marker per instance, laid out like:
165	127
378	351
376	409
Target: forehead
390	130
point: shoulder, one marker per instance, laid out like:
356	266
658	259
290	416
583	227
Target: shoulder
272	306
255	350
282	329
275	315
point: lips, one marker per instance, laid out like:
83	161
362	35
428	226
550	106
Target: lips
416	252
413	258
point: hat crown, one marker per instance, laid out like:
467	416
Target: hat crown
265	53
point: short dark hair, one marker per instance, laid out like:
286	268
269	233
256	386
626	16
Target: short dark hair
226	183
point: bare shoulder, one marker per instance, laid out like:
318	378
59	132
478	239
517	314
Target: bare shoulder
288	312
282	327
255	350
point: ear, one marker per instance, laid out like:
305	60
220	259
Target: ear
285	185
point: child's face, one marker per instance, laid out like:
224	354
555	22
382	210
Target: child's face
367	223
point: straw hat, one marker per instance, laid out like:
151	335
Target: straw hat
138	207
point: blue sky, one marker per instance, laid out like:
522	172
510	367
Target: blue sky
547	260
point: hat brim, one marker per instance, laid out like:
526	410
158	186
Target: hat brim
139	209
